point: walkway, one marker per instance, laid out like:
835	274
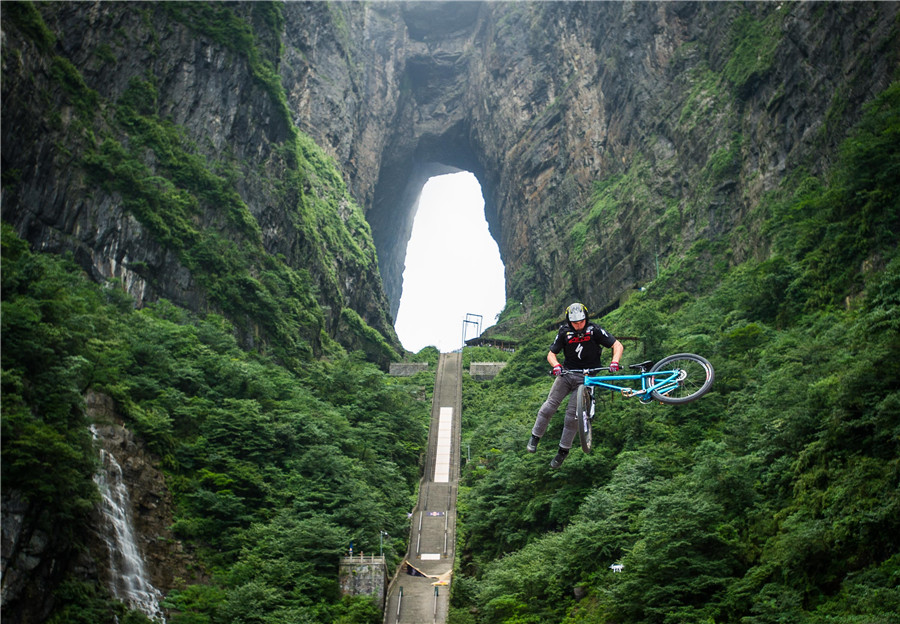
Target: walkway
416	599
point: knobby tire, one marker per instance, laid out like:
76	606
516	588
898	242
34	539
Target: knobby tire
698	379
583	412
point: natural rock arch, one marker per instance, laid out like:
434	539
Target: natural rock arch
397	201
432	133
519	94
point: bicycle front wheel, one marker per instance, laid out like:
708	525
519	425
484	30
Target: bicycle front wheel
694	377
584	402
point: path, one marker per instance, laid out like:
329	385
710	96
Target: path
414	599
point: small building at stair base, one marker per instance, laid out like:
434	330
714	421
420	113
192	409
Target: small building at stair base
364	575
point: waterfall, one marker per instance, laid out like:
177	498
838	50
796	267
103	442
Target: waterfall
129	581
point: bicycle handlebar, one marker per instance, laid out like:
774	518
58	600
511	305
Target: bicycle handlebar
583	371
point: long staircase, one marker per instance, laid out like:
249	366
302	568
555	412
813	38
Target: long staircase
420	592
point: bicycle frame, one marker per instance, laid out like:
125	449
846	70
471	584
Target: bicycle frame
658	381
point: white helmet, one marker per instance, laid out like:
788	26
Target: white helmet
576	312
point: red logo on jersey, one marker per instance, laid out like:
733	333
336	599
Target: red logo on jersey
575	339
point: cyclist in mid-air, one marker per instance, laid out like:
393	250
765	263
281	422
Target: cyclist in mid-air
581	343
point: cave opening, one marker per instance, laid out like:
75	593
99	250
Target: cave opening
452	267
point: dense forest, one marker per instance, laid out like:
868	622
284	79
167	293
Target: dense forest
275	472
775	497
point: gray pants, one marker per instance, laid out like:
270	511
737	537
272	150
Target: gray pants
564	384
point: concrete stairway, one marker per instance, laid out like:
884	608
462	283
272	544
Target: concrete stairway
414	599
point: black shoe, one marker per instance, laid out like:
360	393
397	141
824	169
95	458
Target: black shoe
557	461
532	444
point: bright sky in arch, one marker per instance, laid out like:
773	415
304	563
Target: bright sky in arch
453	267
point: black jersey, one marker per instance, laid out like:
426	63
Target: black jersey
582	349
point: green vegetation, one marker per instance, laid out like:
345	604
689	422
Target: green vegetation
48	335
274	471
369	341
725	163
522	291
772	499
27	18
227	28
82	97
752	51
483	354
704	98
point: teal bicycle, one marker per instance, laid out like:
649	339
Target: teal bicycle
675	379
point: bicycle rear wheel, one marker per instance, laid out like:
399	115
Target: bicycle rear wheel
584	407
695	378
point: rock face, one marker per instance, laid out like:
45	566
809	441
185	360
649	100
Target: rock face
543	100
206	92
539	100
33	562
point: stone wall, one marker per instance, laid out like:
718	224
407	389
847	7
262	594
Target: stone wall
483	371
407	369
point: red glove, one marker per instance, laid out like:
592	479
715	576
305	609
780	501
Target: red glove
557	371
614	367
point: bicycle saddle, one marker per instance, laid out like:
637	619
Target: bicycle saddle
643	366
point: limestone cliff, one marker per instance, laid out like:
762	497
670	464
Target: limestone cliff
704	105
152	140
708	105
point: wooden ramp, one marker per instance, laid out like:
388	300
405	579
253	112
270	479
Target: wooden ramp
423	596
